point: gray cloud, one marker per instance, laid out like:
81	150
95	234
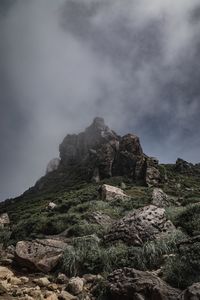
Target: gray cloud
134	62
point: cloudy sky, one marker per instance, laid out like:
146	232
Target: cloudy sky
63	62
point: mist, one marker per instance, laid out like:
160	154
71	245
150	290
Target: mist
63	62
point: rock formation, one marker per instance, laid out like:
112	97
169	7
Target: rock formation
42	255
141	225
128	284
4	220
110	193
104	154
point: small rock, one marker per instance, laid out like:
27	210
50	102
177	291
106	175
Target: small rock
24	279
15	281
42	282
53	287
5	273
52	297
62	278
66	296
159	198
75	285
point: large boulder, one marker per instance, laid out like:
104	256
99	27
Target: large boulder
129	284
42	255
141	225
109	193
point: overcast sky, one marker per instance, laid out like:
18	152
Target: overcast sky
63	62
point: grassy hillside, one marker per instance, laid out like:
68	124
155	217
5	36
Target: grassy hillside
77	200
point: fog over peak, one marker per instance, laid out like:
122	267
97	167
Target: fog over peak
63	62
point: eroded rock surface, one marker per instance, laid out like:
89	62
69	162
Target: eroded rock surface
159	198
142	225
106	154
109	193
129	284
42	255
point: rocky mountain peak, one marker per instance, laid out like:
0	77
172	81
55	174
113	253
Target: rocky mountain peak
103	153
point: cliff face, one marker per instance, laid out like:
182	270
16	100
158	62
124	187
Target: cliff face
105	154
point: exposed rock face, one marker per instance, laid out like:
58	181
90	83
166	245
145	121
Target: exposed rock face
128	284
109	193
142	225
191	293
4	220
42	255
100	218
53	165
105	154
159	198
183	166
152	175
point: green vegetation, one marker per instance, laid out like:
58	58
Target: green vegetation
76	200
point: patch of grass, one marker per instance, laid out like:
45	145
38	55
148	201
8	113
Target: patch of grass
184	268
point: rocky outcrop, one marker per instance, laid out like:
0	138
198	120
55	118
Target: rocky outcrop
152	174
144	224
104	154
41	255
128	284
191	293
4	220
159	198
182	166
100	218
109	193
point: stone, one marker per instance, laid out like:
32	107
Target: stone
42	282
5	273
64	295
24	279
128	284
141	225
109	193
53	296
62	278
15	280
75	285
100	218
159	198
152	176
51	206
4	220
191	293
41	255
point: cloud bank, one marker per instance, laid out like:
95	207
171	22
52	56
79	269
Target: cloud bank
63	62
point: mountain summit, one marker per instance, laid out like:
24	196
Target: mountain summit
103	154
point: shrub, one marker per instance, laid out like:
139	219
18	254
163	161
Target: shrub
189	219
5	235
184	268
85	255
